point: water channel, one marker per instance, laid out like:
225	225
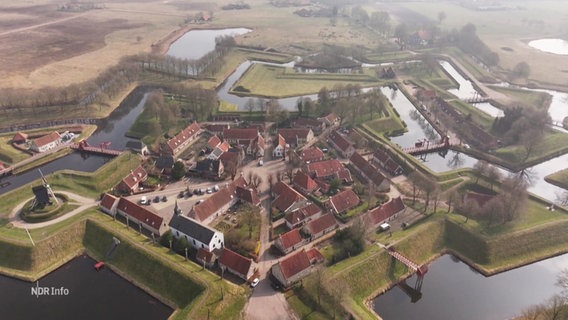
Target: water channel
452	290
91	295
111	129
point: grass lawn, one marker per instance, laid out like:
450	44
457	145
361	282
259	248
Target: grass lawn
525	97
9	154
554	142
559	178
279	82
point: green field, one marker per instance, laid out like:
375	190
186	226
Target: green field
279	82
559	178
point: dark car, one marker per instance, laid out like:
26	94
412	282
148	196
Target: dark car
157	199
164	199
181	194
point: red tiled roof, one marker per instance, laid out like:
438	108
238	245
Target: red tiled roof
325	168
385	211
108	201
216	201
48	138
281	141
227	157
322	223
306	122
381	155
136	176
344	175
301	214
218	128
295	264
183	136
240	134
204	255
224	146
311	154
368	170
344	201
235	261
20	136
213	142
292	134
339	141
290	238
140	213
249	195
315	256
304	181
286	196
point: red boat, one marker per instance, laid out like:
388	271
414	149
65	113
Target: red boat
99	265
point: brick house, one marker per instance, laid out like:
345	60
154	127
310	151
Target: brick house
296	136
342	202
368	172
379	215
341	144
293	268
321	226
236	264
303	183
132	181
181	140
140	215
289	241
311	154
299	217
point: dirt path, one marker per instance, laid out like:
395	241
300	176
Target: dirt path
85	203
42	24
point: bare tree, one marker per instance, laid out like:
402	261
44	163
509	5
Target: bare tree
493	175
479	169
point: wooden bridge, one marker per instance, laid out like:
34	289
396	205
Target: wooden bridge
420	270
103	149
427	147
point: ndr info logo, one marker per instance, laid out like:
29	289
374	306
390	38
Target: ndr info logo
48	291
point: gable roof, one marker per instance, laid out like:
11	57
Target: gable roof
293	134
327	168
286	196
183	136
204	255
165	162
302	213
314	255
290	238
248	194
217	128
339	141
304	181
136	176
306	122
368	170
344	200
322	223
140	213
47	139
20	136
216	201
213	142
192	228
240	134
295	264
386	210
311	154
108	201
208	165
281	141
235	261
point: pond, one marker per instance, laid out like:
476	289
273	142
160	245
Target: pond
555	46
91	295
452	290
194	44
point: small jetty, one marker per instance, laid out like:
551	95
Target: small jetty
426	146
102	148
478	99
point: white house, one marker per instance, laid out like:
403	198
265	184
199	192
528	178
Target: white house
46	142
198	235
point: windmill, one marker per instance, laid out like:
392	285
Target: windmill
48	187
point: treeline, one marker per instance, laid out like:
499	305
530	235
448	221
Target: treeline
106	86
194	102
114	80
189	68
468	41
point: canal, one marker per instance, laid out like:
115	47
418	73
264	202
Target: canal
111	129
84	294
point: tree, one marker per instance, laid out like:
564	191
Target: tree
415	178
493	175
250	217
178	171
479	169
250	105
401	33
334	185
441	17
451	196
521	70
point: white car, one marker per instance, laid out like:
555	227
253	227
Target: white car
254	282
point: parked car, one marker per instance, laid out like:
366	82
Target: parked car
384	227
216	188
181	194
254	282
164	199
260	163
156	199
144	200
209	190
